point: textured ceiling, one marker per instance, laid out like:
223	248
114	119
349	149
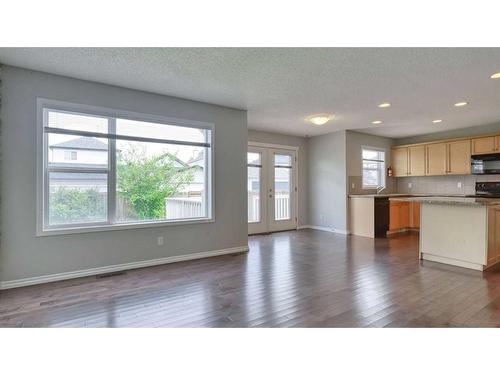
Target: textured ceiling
281	86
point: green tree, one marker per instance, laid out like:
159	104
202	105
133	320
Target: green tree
145	182
72	206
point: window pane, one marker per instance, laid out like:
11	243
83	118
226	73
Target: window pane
373	154
370	178
77	198
159	181
78	122
161	131
253	185
282	160
75	151
254	158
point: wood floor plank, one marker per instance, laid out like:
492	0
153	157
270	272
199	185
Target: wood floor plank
304	278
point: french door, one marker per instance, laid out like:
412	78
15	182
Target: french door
272	191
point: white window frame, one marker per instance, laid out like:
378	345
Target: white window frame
43	229
383	183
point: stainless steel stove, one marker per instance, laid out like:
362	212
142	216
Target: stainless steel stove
490	189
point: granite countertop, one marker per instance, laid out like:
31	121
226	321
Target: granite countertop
379	195
451	200
402	195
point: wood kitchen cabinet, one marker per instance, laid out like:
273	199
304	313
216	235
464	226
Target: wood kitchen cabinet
459	157
448	158
400	161
416	160
399	215
436	160
415	215
484	145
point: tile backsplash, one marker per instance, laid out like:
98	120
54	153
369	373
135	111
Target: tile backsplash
355	186
442	184
424	184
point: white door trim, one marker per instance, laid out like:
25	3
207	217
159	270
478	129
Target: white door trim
295	207
272	145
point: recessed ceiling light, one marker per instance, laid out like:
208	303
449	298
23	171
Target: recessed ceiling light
384	105
461	104
376	122
495	76
437	121
319	119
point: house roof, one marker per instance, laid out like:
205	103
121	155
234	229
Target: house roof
82	143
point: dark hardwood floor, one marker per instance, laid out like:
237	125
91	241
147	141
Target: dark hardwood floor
306	278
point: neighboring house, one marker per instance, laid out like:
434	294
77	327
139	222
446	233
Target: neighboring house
196	186
79	152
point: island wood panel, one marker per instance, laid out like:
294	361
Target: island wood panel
459	153
493	235
400	161
416	160
436	159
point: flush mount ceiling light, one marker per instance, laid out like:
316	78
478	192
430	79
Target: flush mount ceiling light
320	119
461	104
437	121
384	105
376	122
495	76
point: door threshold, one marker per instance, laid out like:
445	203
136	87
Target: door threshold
276	231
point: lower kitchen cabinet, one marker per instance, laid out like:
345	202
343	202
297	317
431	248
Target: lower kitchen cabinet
403	216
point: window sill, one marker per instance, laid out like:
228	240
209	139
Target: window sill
113	227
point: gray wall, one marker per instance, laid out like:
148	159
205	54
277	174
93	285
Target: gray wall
354	143
327	181
301	143
25	255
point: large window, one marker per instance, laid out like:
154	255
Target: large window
373	168
103	170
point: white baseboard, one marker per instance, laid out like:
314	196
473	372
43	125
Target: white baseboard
325	229
118	267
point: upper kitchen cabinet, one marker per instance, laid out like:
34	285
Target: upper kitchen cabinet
400	161
459	157
416	160
484	145
436	160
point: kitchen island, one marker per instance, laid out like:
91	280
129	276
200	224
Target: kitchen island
459	231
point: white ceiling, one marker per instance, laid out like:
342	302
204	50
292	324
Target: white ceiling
281	86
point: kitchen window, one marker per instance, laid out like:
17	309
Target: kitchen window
131	170
373	166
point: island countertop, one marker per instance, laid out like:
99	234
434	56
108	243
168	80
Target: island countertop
449	200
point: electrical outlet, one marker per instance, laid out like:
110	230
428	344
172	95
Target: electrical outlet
353	186
459	185
160	241
410	185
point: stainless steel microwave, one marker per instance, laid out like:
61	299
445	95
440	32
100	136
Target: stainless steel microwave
485	164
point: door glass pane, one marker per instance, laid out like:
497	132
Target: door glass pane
282	186
253	186
254	158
